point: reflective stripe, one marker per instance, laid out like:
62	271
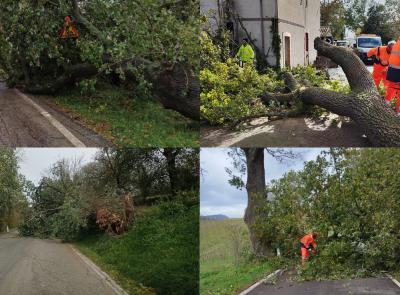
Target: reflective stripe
395	52
394	67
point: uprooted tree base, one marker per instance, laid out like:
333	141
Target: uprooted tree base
363	104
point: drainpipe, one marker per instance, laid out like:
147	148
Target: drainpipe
262	26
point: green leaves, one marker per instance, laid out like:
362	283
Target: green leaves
148	29
351	197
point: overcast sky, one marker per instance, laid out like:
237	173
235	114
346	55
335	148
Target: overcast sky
218	197
35	162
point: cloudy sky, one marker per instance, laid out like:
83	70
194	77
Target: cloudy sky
218	197
35	162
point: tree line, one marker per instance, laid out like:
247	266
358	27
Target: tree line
12	184
74	198
363	16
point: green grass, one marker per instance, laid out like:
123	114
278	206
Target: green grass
221	270
130	121
160	252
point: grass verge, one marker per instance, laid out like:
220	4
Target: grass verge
127	120
160	252
226	265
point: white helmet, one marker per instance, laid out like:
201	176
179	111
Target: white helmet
392	42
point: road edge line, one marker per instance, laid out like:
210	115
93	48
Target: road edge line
255	285
396	282
53	121
108	280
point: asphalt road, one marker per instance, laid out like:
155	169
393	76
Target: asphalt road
23	125
45	267
370	286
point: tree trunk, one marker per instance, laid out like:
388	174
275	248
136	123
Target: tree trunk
364	104
170	155
256	194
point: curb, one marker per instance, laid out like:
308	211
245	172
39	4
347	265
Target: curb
396	282
252	287
106	278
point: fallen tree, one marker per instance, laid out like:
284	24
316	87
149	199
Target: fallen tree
363	104
155	43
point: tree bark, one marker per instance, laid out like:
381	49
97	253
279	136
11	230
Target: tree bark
364	104
170	155
256	194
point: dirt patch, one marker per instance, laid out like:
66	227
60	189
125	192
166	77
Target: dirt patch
330	131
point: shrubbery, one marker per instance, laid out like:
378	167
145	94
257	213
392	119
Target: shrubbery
351	198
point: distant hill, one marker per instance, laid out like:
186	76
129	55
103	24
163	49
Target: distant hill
214	217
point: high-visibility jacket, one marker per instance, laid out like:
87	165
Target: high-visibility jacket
307	241
393	74
381	54
245	53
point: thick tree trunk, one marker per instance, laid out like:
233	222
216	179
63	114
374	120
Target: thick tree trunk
256	194
179	89
364	104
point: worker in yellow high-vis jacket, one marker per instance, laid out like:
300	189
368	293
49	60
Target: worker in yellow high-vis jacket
245	53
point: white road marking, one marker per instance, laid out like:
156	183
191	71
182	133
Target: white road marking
107	279
60	127
252	287
396	282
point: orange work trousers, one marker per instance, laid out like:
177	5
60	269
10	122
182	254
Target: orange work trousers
379	74
393	92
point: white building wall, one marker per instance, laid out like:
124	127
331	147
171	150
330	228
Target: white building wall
296	18
258	23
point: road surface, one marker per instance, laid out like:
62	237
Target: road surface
22	124
289	132
45	267
370	286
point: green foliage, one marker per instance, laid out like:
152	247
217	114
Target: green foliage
350	197
161	251
28	35
378	23
230	94
333	15
12	200
68	223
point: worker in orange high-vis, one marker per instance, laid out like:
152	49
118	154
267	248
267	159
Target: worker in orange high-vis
393	77
381	57
307	243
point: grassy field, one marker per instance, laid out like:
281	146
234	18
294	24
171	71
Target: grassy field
226	266
160	252
127	120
